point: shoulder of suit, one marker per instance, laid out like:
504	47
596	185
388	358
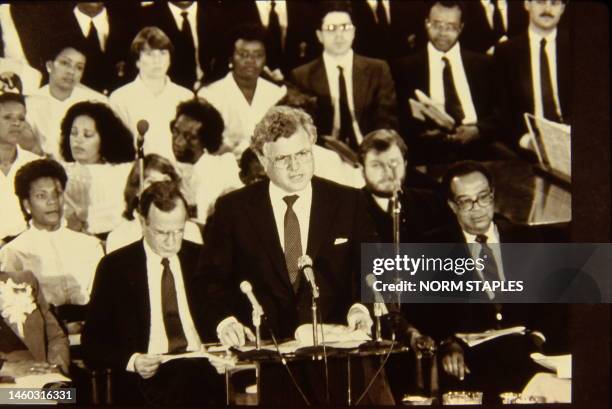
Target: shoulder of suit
191	247
305	68
334	188
123	253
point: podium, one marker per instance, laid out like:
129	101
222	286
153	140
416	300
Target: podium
348	373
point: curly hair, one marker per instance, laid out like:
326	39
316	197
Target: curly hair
116	140
32	171
152	161
211	131
281	122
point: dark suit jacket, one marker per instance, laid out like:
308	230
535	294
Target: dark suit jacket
422	211
412	73
301	44
405	35
211	29
44	339
478	35
244	245
513	68
119	317
114	67
373	93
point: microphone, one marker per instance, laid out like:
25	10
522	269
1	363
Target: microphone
142	127
305	266
247	290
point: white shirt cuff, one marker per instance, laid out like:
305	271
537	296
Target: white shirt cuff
357	307
131	363
224	323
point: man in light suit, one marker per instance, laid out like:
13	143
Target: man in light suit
258	233
39	345
355	94
143	306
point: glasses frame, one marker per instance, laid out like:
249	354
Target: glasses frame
468	204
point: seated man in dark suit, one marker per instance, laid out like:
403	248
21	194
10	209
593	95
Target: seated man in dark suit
502	364
31	339
143	307
385	169
534	70
355	94
459	82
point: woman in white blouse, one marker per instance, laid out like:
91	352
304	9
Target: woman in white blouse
242	96
98	150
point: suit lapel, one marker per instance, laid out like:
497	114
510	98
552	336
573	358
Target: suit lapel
136	276
361	85
262	216
524	67
563	71
322	212
318	79
33	332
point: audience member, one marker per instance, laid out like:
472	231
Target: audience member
196	141
355	94
48	105
144	305
63	261
12	157
98	150
156	169
152	96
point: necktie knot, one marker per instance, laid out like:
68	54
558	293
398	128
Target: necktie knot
543	43
341	69
290	200
184	14
165	262
445	61
272	5
482	238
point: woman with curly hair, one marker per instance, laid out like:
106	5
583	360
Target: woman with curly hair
156	169
98	150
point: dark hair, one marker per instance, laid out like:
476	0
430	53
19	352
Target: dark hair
154	37
32	171
12	97
461	169
251	169
164	195
341	6
247	32
379	141
211	131
61	43
152	161
116	140
449	4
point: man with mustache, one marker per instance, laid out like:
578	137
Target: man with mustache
534	71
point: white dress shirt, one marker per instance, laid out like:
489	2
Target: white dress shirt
134	101
489	9
13	221
492	238
10	37
64	262
45	113
374	4
331	64
192	13
551	53
100	21
436	82
239	116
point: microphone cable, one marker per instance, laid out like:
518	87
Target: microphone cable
382	365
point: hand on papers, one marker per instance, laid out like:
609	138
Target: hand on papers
147	365
453	361
425	108
234	334
464	134
359	319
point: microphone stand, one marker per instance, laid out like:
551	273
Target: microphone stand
378	329
140	158
257	313
315	334
396	207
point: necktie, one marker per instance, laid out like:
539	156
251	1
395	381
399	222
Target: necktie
347	133
490	271
273	38
187	57
170	311
93	41
452	104
381	15
498	22
548	99
293	243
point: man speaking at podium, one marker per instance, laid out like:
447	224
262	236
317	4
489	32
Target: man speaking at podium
258	233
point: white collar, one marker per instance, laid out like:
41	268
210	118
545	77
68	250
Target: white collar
453	54
84	18
277	194
176	10
537	38
152	256
345	61
492	235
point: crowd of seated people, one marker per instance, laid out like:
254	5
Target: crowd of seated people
192	81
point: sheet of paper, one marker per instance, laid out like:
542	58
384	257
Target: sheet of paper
36	381
199	354
561	364
553	143
473	339
331	334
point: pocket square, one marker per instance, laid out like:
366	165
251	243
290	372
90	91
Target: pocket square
340	240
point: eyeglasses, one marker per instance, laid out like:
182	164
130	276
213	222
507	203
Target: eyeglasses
552	2
483	199
166	234
284	161
441	26
339	27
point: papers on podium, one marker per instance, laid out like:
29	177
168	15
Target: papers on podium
477	338
552	145
561	364
337	336
202	353
36	381
424	108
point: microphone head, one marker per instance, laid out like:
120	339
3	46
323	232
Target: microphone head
370	280
142	126
304	261
246	287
